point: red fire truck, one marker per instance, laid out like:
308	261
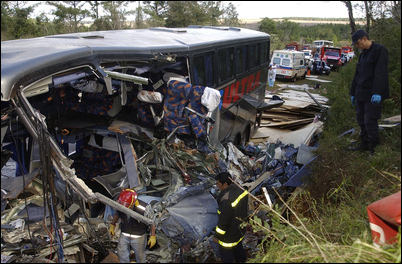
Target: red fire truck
332	56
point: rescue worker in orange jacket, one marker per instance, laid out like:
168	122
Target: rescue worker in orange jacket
133	232
233	206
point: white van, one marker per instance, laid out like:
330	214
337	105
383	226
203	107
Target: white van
308	54
289	64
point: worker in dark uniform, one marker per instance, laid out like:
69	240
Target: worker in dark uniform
314	67
369	89
233	206
133	232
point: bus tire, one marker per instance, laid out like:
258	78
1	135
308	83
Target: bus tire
246	135
295	78
237	139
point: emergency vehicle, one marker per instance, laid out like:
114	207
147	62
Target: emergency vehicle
289	64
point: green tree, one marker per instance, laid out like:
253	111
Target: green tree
116	13
288	31
98	23
14	20
6	20
69	15
139	18
230	17
185	13
267	25
157	12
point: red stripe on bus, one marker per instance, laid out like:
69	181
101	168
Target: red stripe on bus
256	81
227	96
244	83
238	92
250	83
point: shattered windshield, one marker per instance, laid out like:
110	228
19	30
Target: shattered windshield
332	53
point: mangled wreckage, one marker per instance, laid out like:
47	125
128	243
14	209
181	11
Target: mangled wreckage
159	110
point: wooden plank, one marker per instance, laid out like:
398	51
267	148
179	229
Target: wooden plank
252	185
393	119
283	124
264	132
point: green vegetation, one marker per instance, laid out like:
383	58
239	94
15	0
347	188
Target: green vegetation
319	19
327	220
74	16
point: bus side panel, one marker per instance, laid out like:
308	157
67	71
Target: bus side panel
236	113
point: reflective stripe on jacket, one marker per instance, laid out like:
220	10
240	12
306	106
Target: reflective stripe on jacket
233	206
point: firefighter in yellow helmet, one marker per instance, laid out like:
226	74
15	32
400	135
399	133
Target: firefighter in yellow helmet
133	232
233	206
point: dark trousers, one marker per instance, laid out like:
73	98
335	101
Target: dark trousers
367	115
236	253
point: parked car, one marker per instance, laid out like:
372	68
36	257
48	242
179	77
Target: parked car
344	59
308	54
350	55
320	65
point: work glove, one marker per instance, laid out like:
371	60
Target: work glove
376	98
152	241
352	98
111	229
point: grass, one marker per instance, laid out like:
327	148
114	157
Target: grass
328	220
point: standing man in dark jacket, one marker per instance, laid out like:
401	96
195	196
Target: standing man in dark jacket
233	206
369	89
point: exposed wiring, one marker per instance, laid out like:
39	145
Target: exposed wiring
24	172
57	231
92	229
51	239
48	187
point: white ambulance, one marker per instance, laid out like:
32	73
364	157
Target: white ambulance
289	64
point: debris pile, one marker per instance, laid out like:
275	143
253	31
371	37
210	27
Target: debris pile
296	120
178	181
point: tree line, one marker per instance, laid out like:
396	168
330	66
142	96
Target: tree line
69	16
320	19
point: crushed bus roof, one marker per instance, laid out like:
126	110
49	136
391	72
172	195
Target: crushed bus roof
21	57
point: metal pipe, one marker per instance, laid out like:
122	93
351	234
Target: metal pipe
124	209
312	97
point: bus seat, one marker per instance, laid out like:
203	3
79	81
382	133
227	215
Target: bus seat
145	113
150	107
178	96
173	106
96	161
197	122
96	103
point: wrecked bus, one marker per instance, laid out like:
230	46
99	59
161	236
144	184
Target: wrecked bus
91	114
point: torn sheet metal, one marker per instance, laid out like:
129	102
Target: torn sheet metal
130	164
297	179
191	219
15	185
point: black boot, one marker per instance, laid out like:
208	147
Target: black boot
372	146
364	145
